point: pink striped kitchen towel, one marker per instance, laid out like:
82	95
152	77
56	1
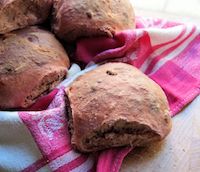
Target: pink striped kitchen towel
167	52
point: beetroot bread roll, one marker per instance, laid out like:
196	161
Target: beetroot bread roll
16	14
116	105
32	63
83	18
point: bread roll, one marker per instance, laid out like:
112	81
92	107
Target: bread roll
16	14
116	105
83	18
32	62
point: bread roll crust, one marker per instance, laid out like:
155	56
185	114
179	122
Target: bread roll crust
116	105
83	18
32	62
17	14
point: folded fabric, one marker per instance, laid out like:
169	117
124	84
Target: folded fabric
39	140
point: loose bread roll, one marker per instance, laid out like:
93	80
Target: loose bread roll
82	18
32	62
16	14
116	105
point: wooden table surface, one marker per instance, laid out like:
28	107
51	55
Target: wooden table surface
180	152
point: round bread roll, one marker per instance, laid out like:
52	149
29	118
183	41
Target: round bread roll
83	18
16	14
32	62
116	105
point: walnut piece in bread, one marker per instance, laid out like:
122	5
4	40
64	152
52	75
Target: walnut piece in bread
116	105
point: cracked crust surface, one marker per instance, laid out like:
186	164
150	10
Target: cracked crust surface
116	105
32	62
83	18
17	14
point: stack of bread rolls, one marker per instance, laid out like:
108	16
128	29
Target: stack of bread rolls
34	55
113	105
